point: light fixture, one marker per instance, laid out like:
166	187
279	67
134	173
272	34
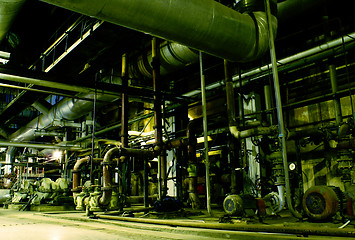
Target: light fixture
4	57
57	155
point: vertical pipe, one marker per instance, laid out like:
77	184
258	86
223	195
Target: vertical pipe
231	120
158	134
192	169
92	180
124	107
279	112
146	182
126	179
268	104
336	100
229	95
205	136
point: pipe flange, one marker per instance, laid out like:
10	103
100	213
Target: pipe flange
76	171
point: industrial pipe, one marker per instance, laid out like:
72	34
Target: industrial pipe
221	31
77	173
336	100
107	178
38	145
69	109
282	134
191	151
205	136
322	51
299	231
173	56
158	128
107	161
42	106
233	128
124	119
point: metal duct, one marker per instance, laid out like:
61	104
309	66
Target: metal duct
42	106
173	56
204	25
68	109
8	11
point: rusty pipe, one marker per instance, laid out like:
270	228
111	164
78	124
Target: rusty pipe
107	162
107	178
76	171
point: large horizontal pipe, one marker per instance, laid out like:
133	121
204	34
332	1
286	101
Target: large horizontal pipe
320	52
301	231
204	25
36	145
45	83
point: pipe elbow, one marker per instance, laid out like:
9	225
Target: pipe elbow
262	31
234	131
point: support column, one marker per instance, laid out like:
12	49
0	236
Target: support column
232	122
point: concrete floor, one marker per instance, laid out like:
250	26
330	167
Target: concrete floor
76	225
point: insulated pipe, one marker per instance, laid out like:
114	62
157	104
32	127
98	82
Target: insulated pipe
8	12
68	109
313	54
42	106
37	145
173	56
204	25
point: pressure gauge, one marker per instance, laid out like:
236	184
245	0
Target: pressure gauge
292	166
